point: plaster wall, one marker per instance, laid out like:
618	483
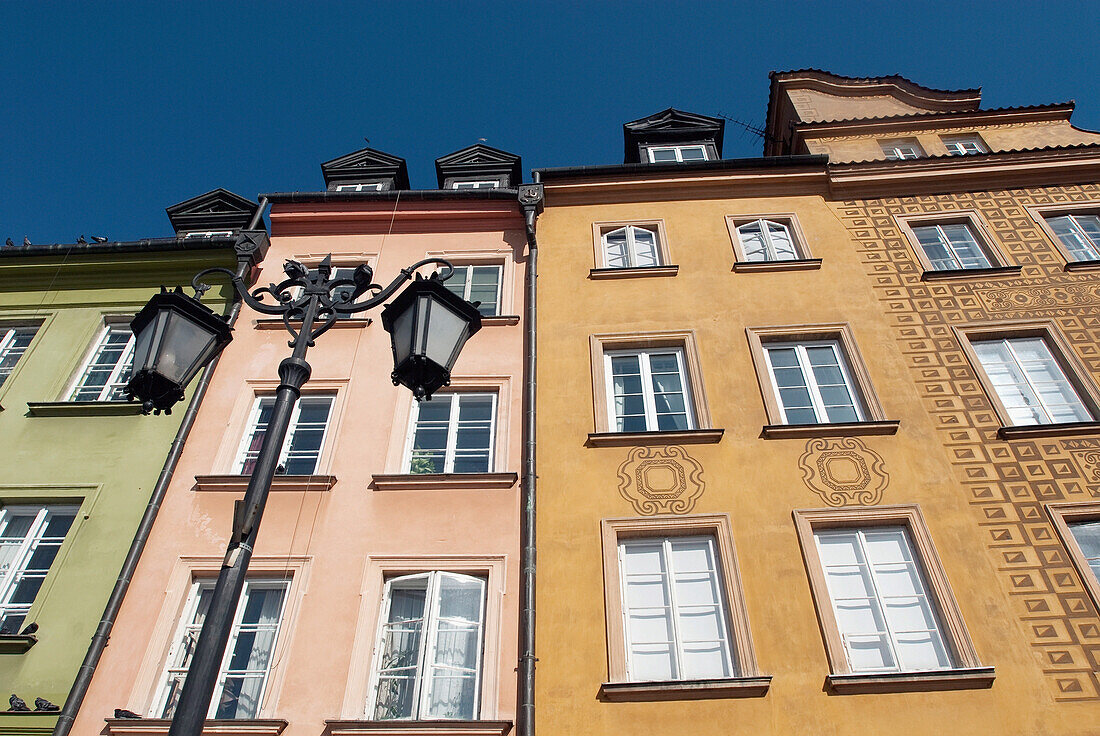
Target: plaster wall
336	542
757	481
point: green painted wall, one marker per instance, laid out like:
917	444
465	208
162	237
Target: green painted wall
108	464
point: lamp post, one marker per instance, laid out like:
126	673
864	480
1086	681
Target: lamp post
175	335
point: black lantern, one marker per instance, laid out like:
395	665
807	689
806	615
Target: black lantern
428	326
174	337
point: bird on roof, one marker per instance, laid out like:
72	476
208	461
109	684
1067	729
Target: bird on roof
81	240
29	629
9	243
26	240
41	704
123	713
17	703
99	238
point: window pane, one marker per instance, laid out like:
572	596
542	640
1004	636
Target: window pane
752	242
662	154
1029	381
108	371
615	249
13	343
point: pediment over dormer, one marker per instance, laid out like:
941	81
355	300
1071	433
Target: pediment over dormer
215	211
672	129
479	164
366	168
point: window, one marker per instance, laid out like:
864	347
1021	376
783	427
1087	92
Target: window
901	150
964	145
884	602
811	383
1087	536
950	247
247	663
429	648
452	433
375	187
630	247
13	343
1079	234
647	390
1028	380
673	607
881	603
477	284
305	438
1078	524
107	371
662	154
486	184
30	537
765	240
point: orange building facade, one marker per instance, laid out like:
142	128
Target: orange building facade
820	456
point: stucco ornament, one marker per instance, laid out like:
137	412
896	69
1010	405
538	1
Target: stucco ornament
1087	454
661	480
843	471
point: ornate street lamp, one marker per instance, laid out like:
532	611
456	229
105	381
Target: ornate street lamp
175	336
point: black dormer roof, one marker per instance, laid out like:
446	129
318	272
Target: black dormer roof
366	166
479	161
671	127
218	209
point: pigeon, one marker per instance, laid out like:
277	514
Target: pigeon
81	240
41	704
26	240
123	713
9	243
17	703
99	238
29	630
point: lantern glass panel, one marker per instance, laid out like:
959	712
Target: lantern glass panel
446	332
185	346
403	335
144	340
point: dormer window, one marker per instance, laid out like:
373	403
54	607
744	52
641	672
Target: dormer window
901	150
679	154
481	184
365	170
375	187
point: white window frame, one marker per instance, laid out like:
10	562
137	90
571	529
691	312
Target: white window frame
631	246
670	591
371	187
8	334
26	549
452	430
679	151
648	399
1085	244
428	637
113	324
253	419
469	267
901	150
958	145
185	622
947	244
208	233
811	380
1008	342
476	184
927	593
771	255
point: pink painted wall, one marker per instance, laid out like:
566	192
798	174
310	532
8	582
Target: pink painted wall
337	543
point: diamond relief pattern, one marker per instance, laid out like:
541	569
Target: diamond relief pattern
1007	482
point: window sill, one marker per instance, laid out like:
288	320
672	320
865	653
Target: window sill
798	264
348	323
500	319
967	678
1083	266
416	728
16	643
970	273
1067	429
632	273
239	483
677	437
83	408
731	687
443	481
220	727
838	429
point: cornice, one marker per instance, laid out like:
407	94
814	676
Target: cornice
360	216
926	121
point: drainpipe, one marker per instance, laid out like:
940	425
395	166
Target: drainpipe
530	200
254	242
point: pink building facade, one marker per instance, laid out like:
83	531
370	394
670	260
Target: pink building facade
383	594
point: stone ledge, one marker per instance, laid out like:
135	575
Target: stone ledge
798	264
416	728
632	273
726	687
677	437
1066	429
1083	266
16	643
213	727
500	319
83	408
963	678
970	273
837	429
443	481
239	483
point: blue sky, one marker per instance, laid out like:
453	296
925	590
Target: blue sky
111	112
